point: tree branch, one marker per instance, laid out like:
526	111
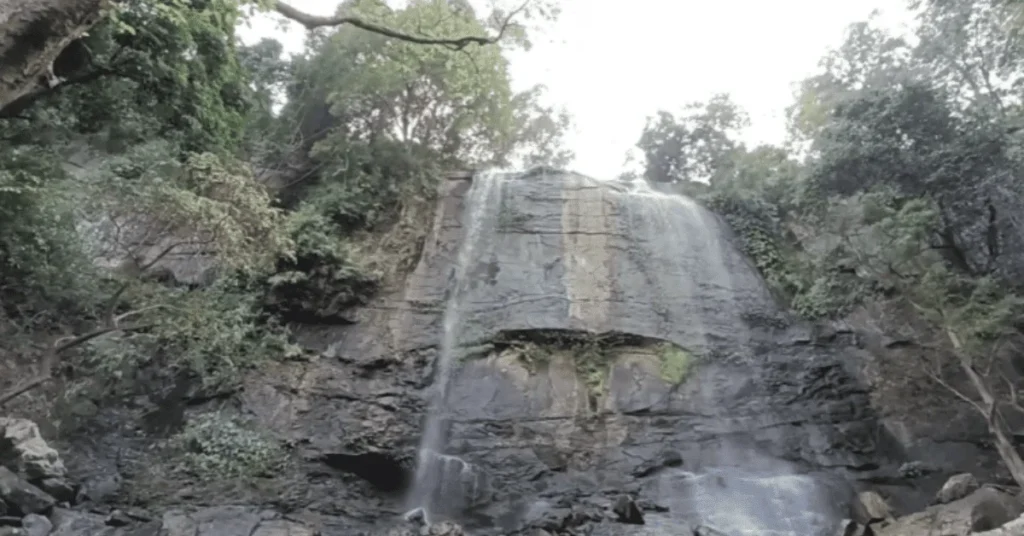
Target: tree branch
22	103
315	21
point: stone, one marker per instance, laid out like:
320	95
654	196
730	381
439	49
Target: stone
849	527
23	449
23	498
12	531
957	487
36	525
444	528
282	527
626	511
60	488
118	518
983	510
870	507
74	523
1012	528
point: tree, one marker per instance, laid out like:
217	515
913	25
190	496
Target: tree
144	207
891	241
868	60
38	33
695	146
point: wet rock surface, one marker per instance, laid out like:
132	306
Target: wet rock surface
771	426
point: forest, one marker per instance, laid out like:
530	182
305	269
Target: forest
309	177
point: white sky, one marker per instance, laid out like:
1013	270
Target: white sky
614	63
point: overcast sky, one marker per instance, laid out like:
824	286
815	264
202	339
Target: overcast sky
614	63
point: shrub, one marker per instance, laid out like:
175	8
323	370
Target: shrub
217	447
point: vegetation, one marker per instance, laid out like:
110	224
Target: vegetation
900	152
214	446
160	210
592	354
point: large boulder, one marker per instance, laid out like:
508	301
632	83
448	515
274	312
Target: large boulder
22	497
983	510
23	450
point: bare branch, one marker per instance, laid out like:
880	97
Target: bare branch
315	21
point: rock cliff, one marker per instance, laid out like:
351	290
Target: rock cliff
596	341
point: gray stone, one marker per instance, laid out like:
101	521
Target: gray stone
983	510
21	497
24	450
957	487
36	525
626	511
870	507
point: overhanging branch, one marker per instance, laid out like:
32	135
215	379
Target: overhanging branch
311	22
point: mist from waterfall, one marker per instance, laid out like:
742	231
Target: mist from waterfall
442	482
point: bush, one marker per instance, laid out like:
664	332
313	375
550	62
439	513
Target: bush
217	447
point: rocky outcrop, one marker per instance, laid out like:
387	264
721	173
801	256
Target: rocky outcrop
984	510
605	343
764	405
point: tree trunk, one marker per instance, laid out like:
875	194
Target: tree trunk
989	404
32	35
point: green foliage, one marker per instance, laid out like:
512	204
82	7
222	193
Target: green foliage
216	333
696	146
213	447
323	278
675	363
205	202
42	263
456	105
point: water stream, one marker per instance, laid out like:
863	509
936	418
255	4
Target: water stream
442	482
690	270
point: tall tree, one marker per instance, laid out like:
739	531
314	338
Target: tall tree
36	34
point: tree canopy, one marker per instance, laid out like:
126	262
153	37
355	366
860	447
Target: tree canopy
175	197
899	183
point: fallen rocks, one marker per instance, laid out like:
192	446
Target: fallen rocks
21	497
984	509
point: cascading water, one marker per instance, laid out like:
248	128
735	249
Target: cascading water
739	492
605	256
443	483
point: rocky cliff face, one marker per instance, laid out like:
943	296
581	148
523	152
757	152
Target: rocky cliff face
767	404
598	341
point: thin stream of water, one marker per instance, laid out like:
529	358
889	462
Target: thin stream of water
434	470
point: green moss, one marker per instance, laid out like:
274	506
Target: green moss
674	362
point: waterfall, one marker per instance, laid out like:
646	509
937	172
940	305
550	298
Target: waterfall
444	483
574	253
739	492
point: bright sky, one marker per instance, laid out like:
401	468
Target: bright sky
614	63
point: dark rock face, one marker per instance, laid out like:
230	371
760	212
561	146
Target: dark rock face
769	428
762	407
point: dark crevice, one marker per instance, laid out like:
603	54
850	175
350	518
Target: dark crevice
382	471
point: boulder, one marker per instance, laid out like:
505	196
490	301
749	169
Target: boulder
24	451
870	507
983	510
1013	528
36	525
957	487
626	511
20	496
